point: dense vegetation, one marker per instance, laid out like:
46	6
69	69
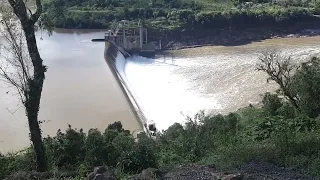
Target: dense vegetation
278	132
184	15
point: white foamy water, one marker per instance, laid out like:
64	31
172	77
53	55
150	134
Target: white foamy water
162	94
221	80
80	89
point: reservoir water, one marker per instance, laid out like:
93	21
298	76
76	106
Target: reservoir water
80	90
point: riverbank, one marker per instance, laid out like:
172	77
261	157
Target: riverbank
285	45
227	78
236	37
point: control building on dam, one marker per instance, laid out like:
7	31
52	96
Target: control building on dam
133	38
120	44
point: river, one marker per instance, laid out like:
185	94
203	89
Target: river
218	79
80	90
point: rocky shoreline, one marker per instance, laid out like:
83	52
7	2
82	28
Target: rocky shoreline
238	37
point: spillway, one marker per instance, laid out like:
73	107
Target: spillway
116	59
157	95
214	79
81	90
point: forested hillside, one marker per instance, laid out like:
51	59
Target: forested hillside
185	14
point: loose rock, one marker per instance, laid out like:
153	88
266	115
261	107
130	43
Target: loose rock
102	173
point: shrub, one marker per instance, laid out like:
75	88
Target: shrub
287	111
66	150
123	143
95	148
305	87
271	104
142	156
118	127
4	163
20	161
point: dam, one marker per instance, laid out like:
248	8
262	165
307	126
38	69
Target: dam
116	59
121	42
81	90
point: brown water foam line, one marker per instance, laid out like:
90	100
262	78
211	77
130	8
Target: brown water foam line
110	54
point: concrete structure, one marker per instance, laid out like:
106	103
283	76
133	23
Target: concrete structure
115	58
128	38
133	38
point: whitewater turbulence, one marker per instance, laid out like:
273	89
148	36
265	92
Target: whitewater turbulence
168	89
164	94
157	92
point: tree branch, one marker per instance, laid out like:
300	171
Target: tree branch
36	15
279	70
19	8
29	86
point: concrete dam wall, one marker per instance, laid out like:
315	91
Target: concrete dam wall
116	59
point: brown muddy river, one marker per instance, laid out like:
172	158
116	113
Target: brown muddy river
80	90
215	79
228	73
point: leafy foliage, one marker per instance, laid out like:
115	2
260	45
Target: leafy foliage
305	87
274	133
271	103
74	150
141	156
21	161
179	14
59	148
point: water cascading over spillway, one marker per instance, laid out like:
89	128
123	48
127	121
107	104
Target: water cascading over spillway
219	82
162	95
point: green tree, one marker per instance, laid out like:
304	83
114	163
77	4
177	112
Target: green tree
271	103
66	150
29	71
142	156
280	70
4	164
306	87
118	127
95	148
123	143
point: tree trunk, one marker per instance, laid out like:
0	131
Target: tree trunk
293	101
35	135
33	95
33	90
